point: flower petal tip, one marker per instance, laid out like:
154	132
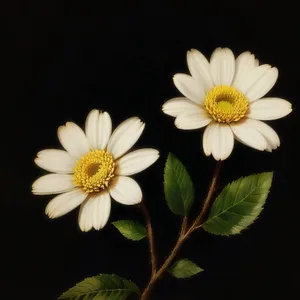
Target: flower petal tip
49	214
69	124
94	110
139	121
104	113
175	77
83	229
36	160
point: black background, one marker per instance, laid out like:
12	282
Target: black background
61	61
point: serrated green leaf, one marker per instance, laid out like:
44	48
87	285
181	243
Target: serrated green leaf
184	268
132	230
239	204
102	287
178	186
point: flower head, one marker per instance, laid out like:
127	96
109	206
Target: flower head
93	169
225	95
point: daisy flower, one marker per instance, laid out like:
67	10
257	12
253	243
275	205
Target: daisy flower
93	169
226	95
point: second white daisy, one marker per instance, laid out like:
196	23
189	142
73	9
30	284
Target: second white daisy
225	95
93	169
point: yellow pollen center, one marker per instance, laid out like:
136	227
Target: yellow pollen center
93	171
226	104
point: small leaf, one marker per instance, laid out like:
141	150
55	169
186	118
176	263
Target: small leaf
101	287
178	186
184	268
239	204
132	230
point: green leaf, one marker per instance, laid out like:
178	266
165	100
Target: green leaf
239	204
101	287
178	186
132	230
184	268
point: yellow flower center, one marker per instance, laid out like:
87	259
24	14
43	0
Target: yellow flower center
226	104
93	171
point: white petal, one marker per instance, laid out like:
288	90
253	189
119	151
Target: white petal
137	161
222	141
57	161
258	82
94	212
263	86
125	136
269	133
175	106
222	64
64	203
252	77
269	109
249	135
126	191
243	64
200	69
189	87
73	139
207	138
104	130
193	119
53	184
91	128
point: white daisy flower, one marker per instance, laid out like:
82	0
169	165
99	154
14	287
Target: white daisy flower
225	95
94	168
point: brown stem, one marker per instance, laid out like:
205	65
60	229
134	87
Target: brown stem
180	240
150	237
207	200
155	277
184	234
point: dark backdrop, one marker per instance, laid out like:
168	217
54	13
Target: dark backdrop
61	61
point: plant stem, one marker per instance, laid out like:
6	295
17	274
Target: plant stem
150	237
207	200
155	277
183	235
